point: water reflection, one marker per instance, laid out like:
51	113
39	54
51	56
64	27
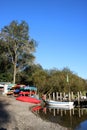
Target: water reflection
75	119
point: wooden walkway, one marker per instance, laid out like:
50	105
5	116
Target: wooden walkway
78	99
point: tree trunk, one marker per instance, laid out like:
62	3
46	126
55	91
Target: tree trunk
14	75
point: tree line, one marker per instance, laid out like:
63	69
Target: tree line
17	63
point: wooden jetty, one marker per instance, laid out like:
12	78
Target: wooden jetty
78	99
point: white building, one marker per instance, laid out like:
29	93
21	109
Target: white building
4	87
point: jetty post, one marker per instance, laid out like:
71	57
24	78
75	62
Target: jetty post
72	96
60	96
57	97
67	80
78	98
53	96
49	96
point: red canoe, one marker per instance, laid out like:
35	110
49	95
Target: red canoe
28	99
36	108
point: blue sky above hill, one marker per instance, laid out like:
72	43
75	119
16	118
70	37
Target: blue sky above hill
58	26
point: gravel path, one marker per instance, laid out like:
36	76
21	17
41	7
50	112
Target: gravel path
16	115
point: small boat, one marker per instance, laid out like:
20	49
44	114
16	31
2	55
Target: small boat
28	99
60	104
36	108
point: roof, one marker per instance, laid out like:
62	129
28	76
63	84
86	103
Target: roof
31	88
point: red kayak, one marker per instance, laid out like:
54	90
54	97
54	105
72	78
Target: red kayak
36	108
28	99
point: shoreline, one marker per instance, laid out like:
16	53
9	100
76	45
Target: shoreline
16	115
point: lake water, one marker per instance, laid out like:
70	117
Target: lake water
74	119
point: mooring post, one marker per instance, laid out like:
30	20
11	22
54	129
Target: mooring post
60	96
57	96
78	99
53	96
80	94
64	95
49	97
69	97
72	96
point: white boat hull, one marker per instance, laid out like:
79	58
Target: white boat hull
59	104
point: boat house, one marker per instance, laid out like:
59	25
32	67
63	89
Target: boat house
4	87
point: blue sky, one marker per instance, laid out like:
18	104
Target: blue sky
58	26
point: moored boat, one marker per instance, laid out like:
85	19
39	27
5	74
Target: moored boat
61	104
